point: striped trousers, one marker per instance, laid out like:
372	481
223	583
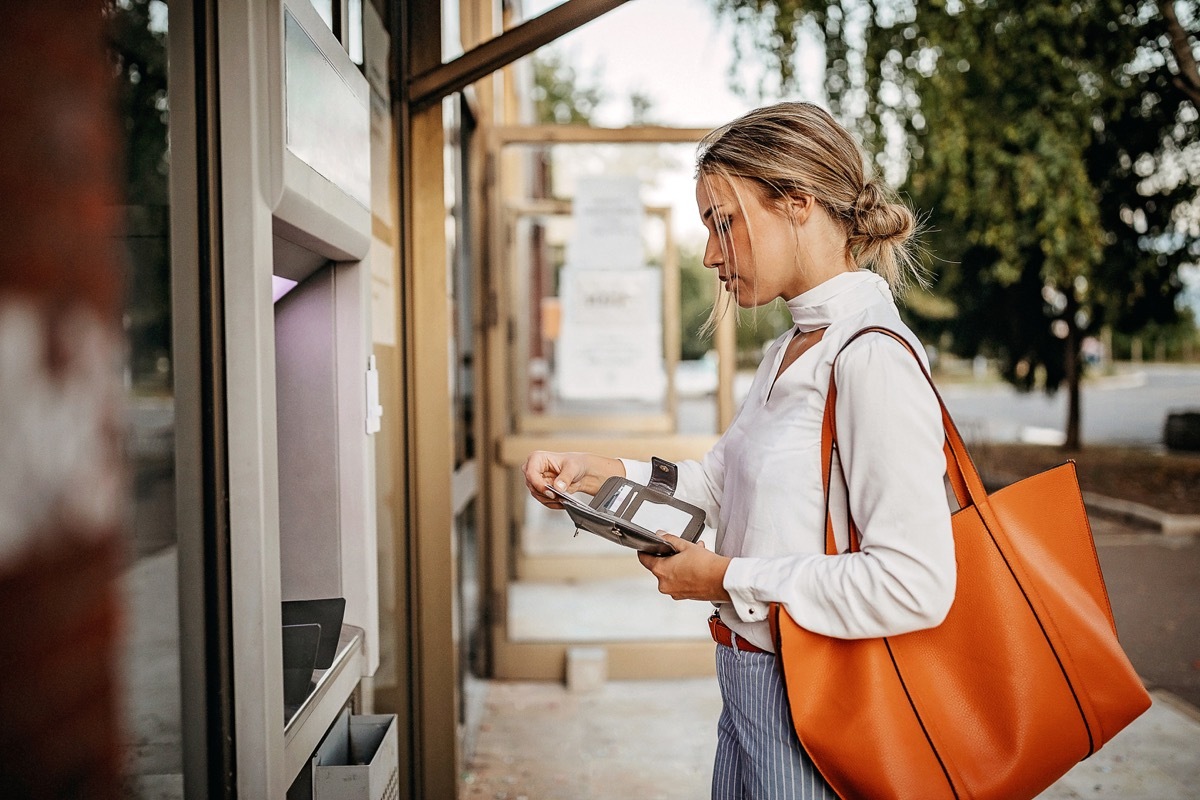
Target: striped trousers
758	755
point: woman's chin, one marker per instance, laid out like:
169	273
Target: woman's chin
744	300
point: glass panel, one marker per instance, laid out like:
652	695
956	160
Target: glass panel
138	43
607	237
471	632
315	93
681	75
523	12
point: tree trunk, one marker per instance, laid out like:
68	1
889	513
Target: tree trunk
1073	369
1187	80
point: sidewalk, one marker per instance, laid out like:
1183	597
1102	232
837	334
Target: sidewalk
654	740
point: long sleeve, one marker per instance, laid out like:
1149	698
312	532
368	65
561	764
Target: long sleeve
890	438
701	483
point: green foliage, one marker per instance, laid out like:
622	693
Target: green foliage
139	58
559	96
1032	135
757	328
137	51
1176	341
1049	144
697	288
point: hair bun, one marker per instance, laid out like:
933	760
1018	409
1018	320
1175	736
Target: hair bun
881	230
869	197
877	217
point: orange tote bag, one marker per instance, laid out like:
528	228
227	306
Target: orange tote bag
1022	680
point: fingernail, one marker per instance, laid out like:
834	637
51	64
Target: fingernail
561	484
548	493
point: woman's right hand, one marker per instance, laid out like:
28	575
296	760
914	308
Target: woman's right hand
569	472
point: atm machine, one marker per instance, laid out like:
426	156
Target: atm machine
302	403
326	390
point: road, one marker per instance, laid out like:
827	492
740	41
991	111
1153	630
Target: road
1129	408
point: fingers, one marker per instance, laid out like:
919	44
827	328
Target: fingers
539	468
565	470
693	573
570	473
679	544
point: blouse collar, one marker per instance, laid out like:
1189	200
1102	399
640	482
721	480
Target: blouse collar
842	295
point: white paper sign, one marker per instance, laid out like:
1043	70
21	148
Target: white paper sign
610	347
608	216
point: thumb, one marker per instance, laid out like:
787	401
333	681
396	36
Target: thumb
567	477
675	541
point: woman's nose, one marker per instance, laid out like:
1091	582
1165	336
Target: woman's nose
713	257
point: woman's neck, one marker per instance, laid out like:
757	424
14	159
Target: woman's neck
822	253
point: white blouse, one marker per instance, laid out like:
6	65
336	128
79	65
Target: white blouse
760	485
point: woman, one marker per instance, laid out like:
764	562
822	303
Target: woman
790	214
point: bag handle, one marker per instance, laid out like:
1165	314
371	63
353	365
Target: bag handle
964	477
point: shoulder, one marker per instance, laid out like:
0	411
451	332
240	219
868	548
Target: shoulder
858	350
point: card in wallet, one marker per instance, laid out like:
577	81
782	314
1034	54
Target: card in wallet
629	513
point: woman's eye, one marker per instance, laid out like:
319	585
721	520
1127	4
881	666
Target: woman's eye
722	224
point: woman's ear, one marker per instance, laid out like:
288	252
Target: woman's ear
800	207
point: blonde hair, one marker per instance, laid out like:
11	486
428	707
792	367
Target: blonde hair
792	148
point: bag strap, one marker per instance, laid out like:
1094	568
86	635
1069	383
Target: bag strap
964	477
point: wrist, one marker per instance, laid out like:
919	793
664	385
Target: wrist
598	470
720	568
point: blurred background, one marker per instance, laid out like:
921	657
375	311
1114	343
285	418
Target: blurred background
483	211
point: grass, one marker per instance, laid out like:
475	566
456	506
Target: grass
1166	481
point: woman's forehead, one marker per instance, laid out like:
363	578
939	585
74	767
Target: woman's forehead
716	190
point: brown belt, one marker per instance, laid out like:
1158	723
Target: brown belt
721	634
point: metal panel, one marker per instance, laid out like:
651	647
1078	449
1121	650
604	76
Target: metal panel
202	525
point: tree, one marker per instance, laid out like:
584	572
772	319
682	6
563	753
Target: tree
1053	147
138	54
137	49
696	295
558	94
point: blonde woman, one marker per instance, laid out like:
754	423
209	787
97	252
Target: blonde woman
791	214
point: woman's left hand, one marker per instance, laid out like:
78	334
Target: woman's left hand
694	573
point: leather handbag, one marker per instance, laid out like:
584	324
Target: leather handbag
1022	680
